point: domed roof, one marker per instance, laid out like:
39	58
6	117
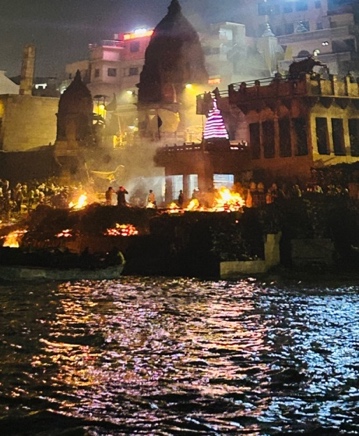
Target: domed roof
76	97
174	56
75	110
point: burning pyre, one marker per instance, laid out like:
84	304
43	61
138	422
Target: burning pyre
97	227
222	200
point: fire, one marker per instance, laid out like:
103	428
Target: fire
173	208
193	204
222	200
13	239
122	230
80	203
226	200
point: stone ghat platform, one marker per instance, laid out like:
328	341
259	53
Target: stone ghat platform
202	244
159	242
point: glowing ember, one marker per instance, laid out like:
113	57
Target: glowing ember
80	203
64	234
13	239
122	230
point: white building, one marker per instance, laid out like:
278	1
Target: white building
7	86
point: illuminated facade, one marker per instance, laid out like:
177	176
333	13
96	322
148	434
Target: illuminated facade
271	35
27	118
283	129
111	74
325	28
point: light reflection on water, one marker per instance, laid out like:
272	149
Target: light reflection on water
178	356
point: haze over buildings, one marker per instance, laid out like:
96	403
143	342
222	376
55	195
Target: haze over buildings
62	30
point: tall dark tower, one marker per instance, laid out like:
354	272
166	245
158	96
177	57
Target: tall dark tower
174	58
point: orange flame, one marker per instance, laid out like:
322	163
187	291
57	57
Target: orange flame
226	200
80	203
13	239
221	200
193	204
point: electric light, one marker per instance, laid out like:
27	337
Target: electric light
138	33
215	127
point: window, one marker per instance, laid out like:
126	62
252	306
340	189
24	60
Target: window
301	6
285	146
177	185
322	135
338	136
319	25
318	4
268	139
302	27
220	180
288	28
192	183
354	136
300	130
134	46
112	72
97	72
255	140
133	71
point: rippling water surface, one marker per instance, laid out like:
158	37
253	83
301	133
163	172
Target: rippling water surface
155	356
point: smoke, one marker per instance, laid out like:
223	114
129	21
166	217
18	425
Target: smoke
132	167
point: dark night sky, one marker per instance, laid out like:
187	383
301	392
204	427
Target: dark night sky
62	29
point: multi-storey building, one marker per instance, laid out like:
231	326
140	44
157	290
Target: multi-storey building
323	28
111	74
285	129
272	34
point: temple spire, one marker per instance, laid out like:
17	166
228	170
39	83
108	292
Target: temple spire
174	8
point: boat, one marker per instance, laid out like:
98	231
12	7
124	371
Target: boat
56	265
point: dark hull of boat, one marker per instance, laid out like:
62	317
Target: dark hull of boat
31	273
19	264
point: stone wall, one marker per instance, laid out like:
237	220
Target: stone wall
235	269
27	122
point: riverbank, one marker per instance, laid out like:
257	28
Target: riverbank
323	230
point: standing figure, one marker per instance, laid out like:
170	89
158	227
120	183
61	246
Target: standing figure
121	197
108	196
151	200
180	199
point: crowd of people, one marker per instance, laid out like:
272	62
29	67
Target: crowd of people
257	194
23	197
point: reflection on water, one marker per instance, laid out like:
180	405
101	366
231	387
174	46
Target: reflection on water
178	357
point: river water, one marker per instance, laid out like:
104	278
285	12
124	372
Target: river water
160	356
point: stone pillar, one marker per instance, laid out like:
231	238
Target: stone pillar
334	83
27	70
168	189
186	192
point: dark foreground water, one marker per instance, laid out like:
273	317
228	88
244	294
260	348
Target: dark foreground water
154	356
